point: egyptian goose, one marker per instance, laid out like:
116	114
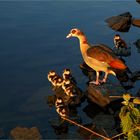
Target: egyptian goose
55	79
119	43
68	88
61	108
99	57
68	75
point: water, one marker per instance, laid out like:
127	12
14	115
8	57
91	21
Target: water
32	42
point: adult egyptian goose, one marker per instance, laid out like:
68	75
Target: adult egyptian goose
99	57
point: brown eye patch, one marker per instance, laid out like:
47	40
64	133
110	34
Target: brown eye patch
73	31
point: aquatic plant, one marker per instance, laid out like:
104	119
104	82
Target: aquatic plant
130	118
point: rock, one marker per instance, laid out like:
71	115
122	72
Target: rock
59	126
122	51
138	93
137	43
121	22
138	1
95	93
100	94
126	14
23	133
136	22
135	76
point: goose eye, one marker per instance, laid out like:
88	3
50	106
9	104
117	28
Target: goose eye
73	31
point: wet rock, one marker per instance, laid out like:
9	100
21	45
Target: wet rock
126	14
60	127
95	93
120	22
137	43
100	94
122	51
122	76
138	1
136	22
92	109
23	133
138	93
135	76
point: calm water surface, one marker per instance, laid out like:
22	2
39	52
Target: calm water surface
32	42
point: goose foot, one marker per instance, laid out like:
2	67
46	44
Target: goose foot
95	82
103	81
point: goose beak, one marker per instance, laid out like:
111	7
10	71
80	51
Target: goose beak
69	35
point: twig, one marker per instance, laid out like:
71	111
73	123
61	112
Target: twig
116	136
97	134
105	132
124	133
120	97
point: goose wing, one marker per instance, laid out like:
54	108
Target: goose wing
104	54
101	53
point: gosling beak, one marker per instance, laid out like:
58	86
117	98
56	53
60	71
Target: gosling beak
69	35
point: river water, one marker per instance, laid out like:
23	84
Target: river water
33	42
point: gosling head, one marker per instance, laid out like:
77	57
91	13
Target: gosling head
116	37
51	75
74	33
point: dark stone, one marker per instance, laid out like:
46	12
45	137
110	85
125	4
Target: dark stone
121	22
100	94
138	93
137	43
138	1
122	51
136	22
92	109
122	76
95	93
60	127
135	76
126	14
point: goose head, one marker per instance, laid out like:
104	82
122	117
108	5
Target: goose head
74	33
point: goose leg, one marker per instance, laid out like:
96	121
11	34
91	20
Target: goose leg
97	79
105	78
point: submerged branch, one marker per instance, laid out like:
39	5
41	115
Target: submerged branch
118	135
97	134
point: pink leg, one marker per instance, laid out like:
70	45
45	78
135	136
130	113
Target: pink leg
105	77
97	79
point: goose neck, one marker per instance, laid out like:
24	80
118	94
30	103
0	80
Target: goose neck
83	40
